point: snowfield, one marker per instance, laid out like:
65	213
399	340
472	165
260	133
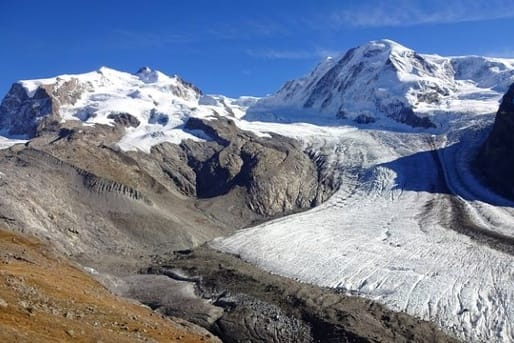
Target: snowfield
7	142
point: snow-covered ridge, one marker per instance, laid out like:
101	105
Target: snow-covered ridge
383	80
160	104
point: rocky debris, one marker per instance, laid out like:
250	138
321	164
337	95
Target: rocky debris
170	297
260	307
494	161
263	322
100	215
92	182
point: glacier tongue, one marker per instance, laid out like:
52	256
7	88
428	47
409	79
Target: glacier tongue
393	232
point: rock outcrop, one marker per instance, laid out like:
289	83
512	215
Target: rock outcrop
274	173
24	114
495	159
73	185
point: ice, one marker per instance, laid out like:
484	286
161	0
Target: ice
386	233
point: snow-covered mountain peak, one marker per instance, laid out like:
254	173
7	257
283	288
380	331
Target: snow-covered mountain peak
152	105
147	75
383	46
386	82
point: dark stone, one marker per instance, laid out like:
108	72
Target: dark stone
21	114
124	119
403	113
364	119
495	161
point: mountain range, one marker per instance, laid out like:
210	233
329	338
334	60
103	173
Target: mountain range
380	174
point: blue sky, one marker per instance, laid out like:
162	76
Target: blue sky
235	47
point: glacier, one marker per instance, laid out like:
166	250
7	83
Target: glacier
410	226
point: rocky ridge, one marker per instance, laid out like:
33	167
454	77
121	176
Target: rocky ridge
493	161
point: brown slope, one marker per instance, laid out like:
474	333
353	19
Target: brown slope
44	298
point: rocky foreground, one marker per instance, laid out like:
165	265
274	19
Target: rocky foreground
254	305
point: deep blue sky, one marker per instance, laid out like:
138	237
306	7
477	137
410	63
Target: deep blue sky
234	47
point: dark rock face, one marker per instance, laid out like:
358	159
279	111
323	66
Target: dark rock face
495	160
20	114
124	119
403	113
24	115
274	175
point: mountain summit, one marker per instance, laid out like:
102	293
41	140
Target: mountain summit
150	104
383	81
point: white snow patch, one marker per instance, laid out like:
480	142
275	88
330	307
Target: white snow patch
8	142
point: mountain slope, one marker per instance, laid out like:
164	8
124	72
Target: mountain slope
495	158
136	159
40	301
383	80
